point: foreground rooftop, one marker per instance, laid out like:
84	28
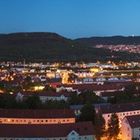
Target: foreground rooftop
59	130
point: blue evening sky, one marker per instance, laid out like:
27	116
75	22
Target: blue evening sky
71	18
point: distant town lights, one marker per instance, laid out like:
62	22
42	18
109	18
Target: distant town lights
95	70
39	88
11	93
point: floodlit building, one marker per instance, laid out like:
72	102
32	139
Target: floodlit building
131	127
122	110
27	116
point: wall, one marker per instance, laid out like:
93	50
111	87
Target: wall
36	121
136	133
126	130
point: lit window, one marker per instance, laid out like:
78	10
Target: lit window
8	120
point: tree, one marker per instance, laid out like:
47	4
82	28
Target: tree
74	99
130	88
87	113
33	102
54	104
135	138
7	101
99	125
2	86
91	97
113	127
28	80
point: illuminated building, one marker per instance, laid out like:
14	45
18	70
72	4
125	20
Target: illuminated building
122	110
131	127
26	116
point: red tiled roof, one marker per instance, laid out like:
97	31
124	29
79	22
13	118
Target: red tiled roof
28	113
134	121
54	130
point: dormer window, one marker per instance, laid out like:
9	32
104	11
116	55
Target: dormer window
73	133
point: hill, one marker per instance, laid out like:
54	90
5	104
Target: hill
114	40
42	46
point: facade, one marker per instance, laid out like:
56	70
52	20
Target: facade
131	127
12	116
44	96
77	108
54	96
76	131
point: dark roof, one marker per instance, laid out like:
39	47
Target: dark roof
55	94
53	130
54	80
95	87
75	107
120	107
134	121
28	113
111	94
78	107
48	93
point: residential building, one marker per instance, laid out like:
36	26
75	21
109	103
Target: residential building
131	127
28	116
122	110
76	131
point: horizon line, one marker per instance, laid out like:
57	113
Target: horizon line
28	32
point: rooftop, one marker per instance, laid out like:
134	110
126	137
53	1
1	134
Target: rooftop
28	113
120	108
59	130
134	121
48	93
95	87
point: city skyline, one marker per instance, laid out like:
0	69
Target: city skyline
72	19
